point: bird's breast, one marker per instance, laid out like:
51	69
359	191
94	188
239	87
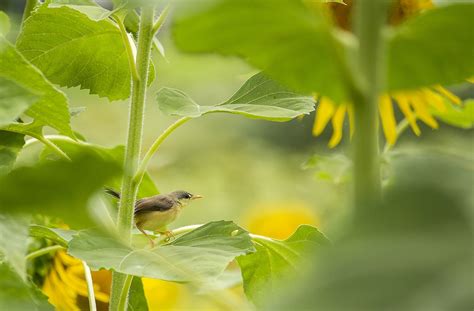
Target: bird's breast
156	220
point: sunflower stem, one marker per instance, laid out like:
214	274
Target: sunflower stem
43	251
90	287
369	21
134	143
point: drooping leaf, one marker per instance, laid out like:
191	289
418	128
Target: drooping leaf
51	108
90	55
14	100
4	23
18	295
259	98
13	244
458	116
137	300
290	42
10	145
57	235
199	256
275	260
58	188
435	47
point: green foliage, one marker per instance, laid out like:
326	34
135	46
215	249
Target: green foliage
423	51
462	117
91	54
259	98
197	257
17	295
275	260
10	145
52	106
14	100
59	188
13	249
4	23
137	300
334	168
57	235
290	42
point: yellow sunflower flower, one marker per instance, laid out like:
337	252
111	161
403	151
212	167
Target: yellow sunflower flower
417	104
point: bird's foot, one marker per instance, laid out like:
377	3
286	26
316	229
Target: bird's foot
169	235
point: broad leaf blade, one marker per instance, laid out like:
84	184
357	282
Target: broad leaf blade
13	244
274	261
137	300
14	100
91	54
10	145
434	48
4	23
192	259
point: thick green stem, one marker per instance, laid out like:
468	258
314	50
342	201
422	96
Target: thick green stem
90	287
155	146
43	251
123	302
134	144
370	18
29	6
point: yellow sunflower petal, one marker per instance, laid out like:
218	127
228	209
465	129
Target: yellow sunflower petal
434	99
422	111
323	115
453	98
405	108
337	123
350	112
389	124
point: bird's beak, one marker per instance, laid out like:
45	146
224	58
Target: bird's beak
197	196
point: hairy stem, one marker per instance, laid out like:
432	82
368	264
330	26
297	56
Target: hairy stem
90	287
128	48
370	18
123	303
52	146
134	144
43	251
155	146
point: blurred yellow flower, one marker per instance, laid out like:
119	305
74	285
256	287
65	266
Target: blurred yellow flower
414	105
279	220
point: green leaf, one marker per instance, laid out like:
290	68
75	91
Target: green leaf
137	300
259	98
435	47
462	117
57	235
274	261
14	100
199	256
4	23
90	55
292	43
17	295
52	106
10	145
57	188
13	244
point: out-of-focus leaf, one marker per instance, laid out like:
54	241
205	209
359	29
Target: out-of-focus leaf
17	295
10	145
293	44
57	188
198	257
435	47
13	242
90	55
4	23
137	300
458	116
259	98
334	168
57	235
14	100
275	260
52	106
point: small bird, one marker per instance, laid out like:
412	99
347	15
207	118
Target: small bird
156	212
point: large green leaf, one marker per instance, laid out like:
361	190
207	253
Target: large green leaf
137	300
73	50
275	260
291	42
51	108
4	23
17	295
199	256
435	47
259	98
13	242
14	100
57	235
58	188
10	145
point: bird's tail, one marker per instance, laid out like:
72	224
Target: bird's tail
112	193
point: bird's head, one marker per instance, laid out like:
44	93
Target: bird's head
184	197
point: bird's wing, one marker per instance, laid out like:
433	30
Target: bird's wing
158	203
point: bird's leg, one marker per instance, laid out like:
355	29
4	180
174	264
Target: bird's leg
152	243
169	234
